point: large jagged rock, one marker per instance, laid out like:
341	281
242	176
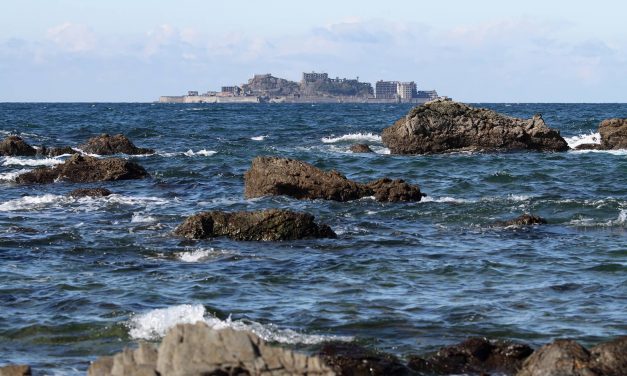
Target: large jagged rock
16	146
84	169
443	125
475	355
613	134
266	225
269	176
108	145
198	350
348	359
15	370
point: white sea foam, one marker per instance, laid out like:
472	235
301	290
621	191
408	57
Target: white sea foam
154	324
32	202
203	254
352	137
203	153
591	138
620	221
142	218
10	176
259	138
15	161
384	151
445	199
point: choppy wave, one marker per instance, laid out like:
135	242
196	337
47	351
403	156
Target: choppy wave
259	138
352	137
11	176
29	203
620	221
203	254
190	153
142	218
17	161
154	324
591	138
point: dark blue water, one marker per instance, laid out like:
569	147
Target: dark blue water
81	278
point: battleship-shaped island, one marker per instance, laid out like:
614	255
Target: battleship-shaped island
313	88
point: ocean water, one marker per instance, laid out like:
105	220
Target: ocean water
81	278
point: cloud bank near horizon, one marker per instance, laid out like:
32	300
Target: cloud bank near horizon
507	60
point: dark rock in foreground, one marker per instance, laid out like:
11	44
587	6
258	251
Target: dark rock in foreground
475	355
108	145
84	169
567	357
272	176
90	192
190	350
348	359
589	147
360	148
15	370
442	126
267	225
16	146
524	220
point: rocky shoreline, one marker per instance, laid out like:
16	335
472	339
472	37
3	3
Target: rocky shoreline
437	127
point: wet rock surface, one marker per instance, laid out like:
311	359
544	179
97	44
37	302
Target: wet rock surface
108	145
360	148
610	358
613	134
90	192
266	225
474	356
274	176
15	370
16	146
196	349
523	220
348	359
84	169
56	151
443	125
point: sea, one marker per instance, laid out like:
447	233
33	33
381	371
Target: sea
85	277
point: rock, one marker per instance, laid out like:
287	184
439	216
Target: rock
267	225
108	145
16	146
610	358
589	147
443	125
394	190
90	192
138	362
613	134
55	152
524	220
349	359
360	148
84	169
199	350
562	357
270	176
15	370
475	355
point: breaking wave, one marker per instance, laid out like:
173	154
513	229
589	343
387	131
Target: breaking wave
352	137
258	138
203	254
16	161
11	176
29	203
154	324
591	138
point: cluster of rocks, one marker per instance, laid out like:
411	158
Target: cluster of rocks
613	136
197	349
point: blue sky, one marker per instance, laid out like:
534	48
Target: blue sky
474	51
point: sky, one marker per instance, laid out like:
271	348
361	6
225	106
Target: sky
472	51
